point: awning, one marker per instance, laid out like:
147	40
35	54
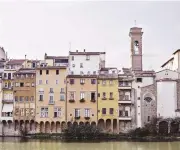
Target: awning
7	108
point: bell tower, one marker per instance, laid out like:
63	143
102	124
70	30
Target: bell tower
136	48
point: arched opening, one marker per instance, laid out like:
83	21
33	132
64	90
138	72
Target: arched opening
81	123
69	124
101	124
32	126
87	124
174	127
63	126
41	127
4	127
37	127
115	129
53	127
163	127
108	125
27	125
16	125
58	127
75	124
10	124
93	124
47	127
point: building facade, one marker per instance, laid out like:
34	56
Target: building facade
108	97
82	99
50	98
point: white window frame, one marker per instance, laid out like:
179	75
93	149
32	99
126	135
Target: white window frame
40	82
58	111
57	82
46	81
77	112
82	95
81	65
82	80
86	112
72	95
44	112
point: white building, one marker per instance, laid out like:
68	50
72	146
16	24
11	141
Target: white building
86	62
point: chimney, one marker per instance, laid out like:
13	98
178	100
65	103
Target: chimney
76	50
84	50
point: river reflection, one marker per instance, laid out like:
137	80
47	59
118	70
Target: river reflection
16	144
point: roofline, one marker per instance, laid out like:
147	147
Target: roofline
176	51
51	67
167	69
167	61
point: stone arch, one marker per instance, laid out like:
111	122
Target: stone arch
75	124
93	124
37	127
41	127
174	127
69	124
87	123
108	125
27	125
47	127
53	127
10	124
127	110
163	127
148	97
58	127
115	127
101	124
4	127
81	123
63	126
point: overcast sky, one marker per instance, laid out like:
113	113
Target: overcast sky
33	28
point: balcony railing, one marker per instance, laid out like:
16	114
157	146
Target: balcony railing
126	118
51	102
7	100
124	101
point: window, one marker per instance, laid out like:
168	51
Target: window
99	95
104	95
62	90
16	98
41	97
28	84
71	81
138	79
21	98
87	112
93	81
104	82
56	81
51	90
62	97
72	72
126	113
138	98
111	95
120	113
32	98
5	75
72	95
17	84
82	81
81	65
104	111
51	99
57	112
40	81
127	97
77	112
44	112
82	95
111	82
26	98
93	96
87	57
148	99
40	72
148	118
47	71
46	81
81	73
57	72
72	58
32	84
21	84
111	111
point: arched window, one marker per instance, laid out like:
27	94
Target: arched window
136	47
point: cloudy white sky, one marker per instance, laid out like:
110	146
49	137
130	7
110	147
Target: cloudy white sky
33	28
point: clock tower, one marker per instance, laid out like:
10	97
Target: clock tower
136	48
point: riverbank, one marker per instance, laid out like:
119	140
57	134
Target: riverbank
104	138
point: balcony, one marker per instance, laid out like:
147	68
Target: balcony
7	118
7	101
125	102
82	100
125	118
124	87
7	88
93	100
51	102
71	100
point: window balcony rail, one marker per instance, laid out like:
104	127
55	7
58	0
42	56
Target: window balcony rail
126	118
111	98
77	117
93	100
71	100
7	100
51	102
86	118
82	100
104	98
125	101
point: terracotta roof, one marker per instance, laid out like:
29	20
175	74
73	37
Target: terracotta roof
25	71
86	53
33	61
51	67
16	62
82	76
56	57
107	68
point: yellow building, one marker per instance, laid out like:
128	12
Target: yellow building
50	98
82	99
108	100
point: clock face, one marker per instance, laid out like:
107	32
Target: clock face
136	47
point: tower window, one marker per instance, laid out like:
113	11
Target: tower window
138	79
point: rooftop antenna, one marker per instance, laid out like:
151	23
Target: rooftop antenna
135	23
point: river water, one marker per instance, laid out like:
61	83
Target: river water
15	144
